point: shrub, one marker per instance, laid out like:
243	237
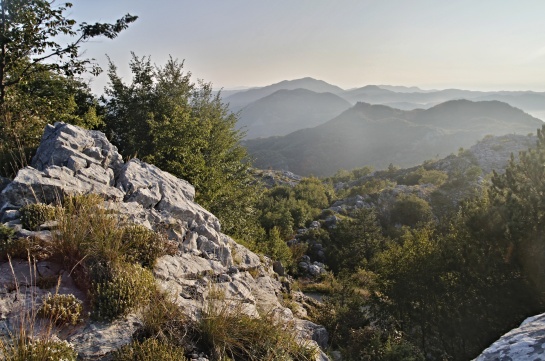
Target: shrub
149	350
163	320
23	247
120	289
231	334
87	231
34	215
6	239
61	309
142	246
38	350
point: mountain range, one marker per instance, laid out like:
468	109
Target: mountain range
378	135
273	110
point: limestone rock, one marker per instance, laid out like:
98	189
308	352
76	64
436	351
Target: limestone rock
73	161
524	343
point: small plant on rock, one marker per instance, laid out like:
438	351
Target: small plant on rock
164	320
225	329
6	239
61	309
143	245
38	350
120	290
34	215
149	350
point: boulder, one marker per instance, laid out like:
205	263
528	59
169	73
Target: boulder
524	343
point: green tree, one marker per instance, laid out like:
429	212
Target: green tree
184	128
410	210
356	241
28	40
38	83
520	194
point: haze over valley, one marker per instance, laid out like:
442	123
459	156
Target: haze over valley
308	126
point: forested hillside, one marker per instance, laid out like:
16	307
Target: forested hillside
378	135
432	262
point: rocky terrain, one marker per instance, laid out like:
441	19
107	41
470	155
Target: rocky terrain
73	161
524	343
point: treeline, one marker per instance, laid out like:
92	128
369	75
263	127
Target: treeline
419	281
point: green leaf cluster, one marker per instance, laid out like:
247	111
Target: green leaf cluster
184	128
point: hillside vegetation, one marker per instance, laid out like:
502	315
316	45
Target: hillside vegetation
432	262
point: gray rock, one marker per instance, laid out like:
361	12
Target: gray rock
314	270
303	266
524	343
313	331
331	221
64	144
10	215
4	183
315	225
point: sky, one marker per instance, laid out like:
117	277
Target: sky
433	44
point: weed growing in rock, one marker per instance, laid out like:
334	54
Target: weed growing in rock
229	333
87	230
127	287
38	350
30	339
34	215
61	309
164	320
6	240
149	350
143	245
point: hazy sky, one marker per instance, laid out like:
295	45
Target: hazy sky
472	44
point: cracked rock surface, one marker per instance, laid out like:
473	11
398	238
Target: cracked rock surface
524	343
74	161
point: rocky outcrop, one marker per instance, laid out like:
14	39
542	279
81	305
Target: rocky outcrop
524	343
73	161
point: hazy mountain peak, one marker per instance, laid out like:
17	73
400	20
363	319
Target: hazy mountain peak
241	99
377	135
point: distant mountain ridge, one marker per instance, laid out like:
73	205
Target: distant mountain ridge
238	100
378	135
286	111
262	116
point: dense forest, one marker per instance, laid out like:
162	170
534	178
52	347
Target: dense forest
433	262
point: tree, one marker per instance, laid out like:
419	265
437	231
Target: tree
520	194
28	41
410	210
38	83
184	128
356	241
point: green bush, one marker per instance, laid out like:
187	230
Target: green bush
149	350
34	215
126	287
38	350
61	309
410	210
142	246
6	239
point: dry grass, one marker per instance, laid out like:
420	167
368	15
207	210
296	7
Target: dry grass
231	334
33	338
